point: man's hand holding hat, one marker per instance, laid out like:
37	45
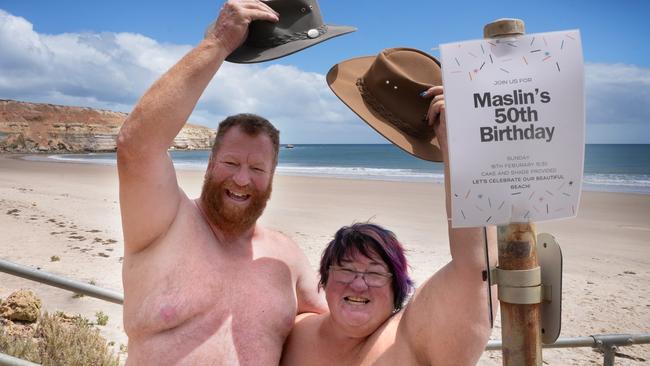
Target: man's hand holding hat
231	27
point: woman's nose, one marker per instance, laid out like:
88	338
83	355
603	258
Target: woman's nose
359	283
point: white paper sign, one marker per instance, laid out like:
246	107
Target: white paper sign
516	127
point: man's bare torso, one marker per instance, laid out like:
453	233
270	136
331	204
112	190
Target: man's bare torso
192	300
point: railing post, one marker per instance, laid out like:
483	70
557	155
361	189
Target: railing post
607	344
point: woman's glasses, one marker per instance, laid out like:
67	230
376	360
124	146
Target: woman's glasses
347	275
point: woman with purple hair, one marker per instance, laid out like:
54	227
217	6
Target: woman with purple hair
364	274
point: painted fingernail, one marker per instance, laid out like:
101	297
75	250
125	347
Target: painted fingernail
423	93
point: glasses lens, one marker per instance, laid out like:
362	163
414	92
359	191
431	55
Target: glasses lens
343	275
375	279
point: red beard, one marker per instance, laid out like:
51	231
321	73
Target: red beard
232	219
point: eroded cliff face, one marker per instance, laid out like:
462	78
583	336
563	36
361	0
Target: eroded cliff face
33	127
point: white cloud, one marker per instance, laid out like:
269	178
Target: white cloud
112	70
618	94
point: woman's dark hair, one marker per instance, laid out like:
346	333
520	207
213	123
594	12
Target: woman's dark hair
369	239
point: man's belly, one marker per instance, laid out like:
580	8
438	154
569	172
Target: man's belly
205	341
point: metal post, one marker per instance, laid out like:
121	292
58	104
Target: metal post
520	323
610	355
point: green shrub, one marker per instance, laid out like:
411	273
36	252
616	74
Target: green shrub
102	319
59	341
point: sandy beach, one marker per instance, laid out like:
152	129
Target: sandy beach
72	211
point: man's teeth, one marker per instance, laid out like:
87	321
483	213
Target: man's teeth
356	300
238	196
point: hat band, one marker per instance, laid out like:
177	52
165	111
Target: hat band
278	40
378	107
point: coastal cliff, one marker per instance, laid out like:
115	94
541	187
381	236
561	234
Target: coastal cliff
34	127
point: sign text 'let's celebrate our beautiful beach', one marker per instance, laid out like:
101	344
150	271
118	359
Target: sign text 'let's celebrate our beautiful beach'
516	126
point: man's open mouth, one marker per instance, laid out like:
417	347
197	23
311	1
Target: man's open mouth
240	197
356	300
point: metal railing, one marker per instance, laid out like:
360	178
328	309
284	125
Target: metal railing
60	282
6	360
606	343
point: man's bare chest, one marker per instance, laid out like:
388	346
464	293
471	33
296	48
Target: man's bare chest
200	288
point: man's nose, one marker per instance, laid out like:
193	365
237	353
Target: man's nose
242	177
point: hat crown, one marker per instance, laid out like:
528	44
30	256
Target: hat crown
392	85
299	19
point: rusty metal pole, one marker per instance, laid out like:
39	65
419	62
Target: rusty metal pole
520	323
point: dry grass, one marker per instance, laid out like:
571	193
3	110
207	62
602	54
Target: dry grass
58	341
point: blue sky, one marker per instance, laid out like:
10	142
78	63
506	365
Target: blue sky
105	55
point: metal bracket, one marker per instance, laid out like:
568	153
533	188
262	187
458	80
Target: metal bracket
540	285
549	255
518	286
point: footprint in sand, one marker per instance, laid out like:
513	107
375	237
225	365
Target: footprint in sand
13	212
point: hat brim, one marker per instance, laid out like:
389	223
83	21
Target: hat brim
247	55
342	79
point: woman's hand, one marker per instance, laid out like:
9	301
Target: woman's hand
436	116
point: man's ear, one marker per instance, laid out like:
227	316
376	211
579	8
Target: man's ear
211	162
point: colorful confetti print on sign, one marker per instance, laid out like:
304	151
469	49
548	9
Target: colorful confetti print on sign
529	50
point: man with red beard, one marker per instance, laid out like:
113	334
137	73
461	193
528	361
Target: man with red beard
204	284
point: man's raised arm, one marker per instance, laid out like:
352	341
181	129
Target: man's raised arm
448	319
149	192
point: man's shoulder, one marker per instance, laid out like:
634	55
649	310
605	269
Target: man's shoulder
282	245
275	236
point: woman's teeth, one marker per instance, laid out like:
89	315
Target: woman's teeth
356	300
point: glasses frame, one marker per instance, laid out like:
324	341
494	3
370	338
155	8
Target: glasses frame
387	275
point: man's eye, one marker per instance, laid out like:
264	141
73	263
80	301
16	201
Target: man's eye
347	270
230	163
259	170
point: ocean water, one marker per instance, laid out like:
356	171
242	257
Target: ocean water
610	168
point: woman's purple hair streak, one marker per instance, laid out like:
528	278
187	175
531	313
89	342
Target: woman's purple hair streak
366	239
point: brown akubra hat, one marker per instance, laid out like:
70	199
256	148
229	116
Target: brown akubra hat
300	26
384	91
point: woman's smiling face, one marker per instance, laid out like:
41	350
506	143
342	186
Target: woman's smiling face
357	308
